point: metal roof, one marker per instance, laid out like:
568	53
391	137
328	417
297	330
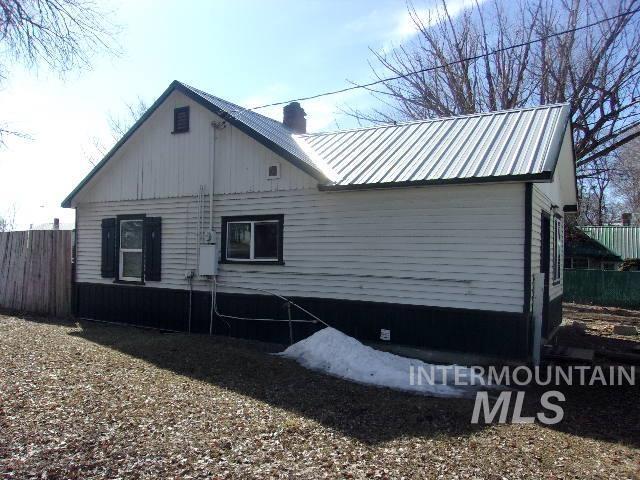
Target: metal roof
624	241
513	144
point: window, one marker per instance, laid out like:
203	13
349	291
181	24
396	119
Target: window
181	120
132	248
252	239
130	251
558	234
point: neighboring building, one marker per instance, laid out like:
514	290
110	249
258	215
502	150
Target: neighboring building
583	252
426	233
610	246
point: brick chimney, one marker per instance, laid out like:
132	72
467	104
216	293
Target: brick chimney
626	219
293	117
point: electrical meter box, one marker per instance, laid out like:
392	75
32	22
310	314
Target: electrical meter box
208	265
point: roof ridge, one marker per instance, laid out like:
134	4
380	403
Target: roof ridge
235	105
437	119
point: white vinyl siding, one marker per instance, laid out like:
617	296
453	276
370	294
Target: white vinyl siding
542	203
447	246
156	164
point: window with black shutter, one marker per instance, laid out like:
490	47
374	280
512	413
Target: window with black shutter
152	248
181	120
108	263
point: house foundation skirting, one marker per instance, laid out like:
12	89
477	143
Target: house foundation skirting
555	315
503	334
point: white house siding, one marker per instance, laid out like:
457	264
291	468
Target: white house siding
542	203
446	246
561	191
154	163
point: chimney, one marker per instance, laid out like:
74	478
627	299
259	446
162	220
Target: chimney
294	117
626	219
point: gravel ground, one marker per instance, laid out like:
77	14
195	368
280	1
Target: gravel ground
89	400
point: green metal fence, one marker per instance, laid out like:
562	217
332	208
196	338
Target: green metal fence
602	287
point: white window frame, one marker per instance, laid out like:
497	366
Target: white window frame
122	251
558	237
251	242
277	175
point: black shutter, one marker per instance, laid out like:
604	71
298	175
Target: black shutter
108	263
152	248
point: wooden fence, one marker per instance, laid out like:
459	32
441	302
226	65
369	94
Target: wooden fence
36	271
602	287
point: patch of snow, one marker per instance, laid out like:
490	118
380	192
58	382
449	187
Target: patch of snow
332	352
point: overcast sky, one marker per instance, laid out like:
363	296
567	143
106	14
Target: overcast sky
248	52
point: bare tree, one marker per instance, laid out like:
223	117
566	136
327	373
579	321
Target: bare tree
61	34
626	177
119	125
467	66
6	131
597	205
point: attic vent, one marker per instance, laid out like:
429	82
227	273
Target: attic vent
180	120
274	171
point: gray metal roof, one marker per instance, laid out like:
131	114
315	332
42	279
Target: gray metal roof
513	144
624	241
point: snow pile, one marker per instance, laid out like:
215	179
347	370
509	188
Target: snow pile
331	351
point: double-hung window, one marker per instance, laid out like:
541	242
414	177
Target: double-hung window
252	239
130	251
131	248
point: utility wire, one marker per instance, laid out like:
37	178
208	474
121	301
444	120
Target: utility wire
429	69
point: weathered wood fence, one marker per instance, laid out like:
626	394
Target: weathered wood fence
36	271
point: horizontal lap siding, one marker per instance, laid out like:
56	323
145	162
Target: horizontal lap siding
542	203
453	246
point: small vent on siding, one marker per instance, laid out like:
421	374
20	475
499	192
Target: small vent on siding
181	120
274	171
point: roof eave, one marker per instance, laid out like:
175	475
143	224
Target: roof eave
530	177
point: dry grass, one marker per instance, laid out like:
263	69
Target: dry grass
90	400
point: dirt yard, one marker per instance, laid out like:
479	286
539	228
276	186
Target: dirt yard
597	328
88	400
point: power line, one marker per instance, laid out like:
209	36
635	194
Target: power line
429	69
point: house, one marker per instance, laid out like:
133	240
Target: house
425	234
583	252
602	247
